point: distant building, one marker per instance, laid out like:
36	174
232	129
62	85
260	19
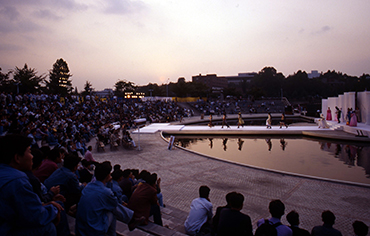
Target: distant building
212	81
104	93
313	74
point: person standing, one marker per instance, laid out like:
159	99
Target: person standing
269	121
282	121
210	121
339	113
224	121
240	120
328	114
200	213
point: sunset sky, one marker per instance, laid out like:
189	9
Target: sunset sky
151	41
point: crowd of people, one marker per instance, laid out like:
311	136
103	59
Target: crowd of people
228	219
39	187
71	121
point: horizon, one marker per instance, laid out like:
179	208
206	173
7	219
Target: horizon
159	41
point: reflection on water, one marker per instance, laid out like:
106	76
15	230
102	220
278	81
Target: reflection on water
320	158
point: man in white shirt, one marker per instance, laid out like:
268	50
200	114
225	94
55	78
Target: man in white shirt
200	213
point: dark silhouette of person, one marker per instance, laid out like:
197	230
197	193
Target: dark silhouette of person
360	228
327	228
293	219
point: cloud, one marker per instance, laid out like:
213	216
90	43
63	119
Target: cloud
46	14
323	30
123	7
9	12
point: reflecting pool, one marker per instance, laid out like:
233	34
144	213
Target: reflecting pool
300	155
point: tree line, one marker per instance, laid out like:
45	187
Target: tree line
266	83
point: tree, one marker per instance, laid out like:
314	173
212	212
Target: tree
26	79
5	82
269	81
59	78
87	88
123	86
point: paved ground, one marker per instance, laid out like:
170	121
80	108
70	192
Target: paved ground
182	173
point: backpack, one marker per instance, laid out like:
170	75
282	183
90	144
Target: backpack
267	229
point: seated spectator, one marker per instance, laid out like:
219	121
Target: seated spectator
37	186
49	165
360	228
200	213
97	209
144	201
277	209
80	146
159	193
88	155
232	221
22	212
53	138
216	218
327	228
117	176
293	219
127	140
66	178
126	184
32	136
85	172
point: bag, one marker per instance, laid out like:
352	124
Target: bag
267	229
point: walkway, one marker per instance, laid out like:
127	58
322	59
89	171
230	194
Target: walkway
183	172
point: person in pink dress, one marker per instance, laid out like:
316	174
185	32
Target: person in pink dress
353	121
328	114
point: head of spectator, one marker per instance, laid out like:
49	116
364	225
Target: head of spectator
102	171
55	155
144	175
38	157
89	148
360	228
152	179
204	191
16	151
127	173
228	198
236	201
71	162
293	218
328	217
117	175
116	167
276	208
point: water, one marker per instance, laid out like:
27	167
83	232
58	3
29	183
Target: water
300	155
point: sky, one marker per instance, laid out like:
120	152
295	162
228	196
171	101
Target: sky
159	41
